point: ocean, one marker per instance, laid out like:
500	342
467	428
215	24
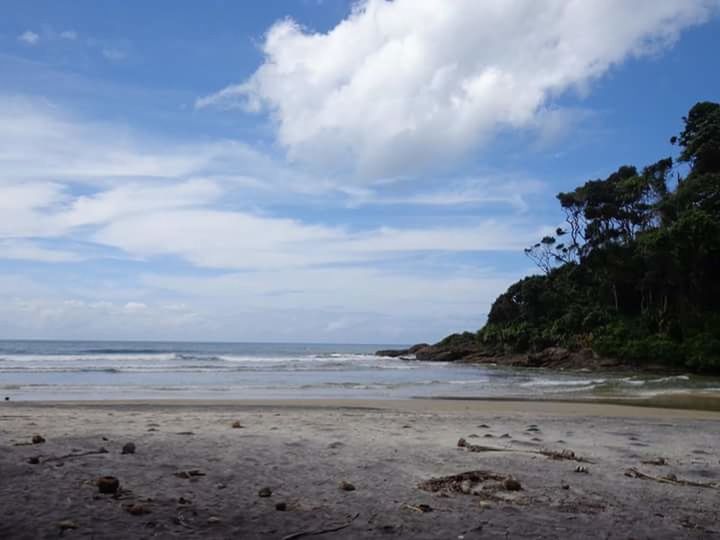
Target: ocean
117	370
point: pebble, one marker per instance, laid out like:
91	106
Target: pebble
213	519
34	460
237	425
346	486
265	492
281	506
136	509
108	484
38	439
67	524
128	448
511	484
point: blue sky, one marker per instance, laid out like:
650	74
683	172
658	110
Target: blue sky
314	170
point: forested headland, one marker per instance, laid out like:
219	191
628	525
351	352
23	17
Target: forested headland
633	275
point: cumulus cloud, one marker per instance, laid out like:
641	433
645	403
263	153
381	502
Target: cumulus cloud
414	81
29	37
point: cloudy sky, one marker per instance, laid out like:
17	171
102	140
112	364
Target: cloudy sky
314	170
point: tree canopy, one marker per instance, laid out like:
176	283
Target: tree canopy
635	272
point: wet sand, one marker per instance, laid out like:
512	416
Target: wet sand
586	470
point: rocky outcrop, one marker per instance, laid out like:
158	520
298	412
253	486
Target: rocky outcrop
552	357
395	353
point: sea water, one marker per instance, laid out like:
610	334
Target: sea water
94	370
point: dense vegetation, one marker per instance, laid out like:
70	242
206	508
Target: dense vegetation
635	274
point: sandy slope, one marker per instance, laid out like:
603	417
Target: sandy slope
303	450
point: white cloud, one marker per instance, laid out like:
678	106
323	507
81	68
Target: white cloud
409	82
69	34
31	251
29	37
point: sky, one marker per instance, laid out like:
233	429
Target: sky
314	170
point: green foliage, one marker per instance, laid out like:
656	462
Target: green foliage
635	274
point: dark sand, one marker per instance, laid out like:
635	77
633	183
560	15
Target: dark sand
304	450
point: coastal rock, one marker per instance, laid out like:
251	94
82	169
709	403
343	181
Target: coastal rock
394	353
511	484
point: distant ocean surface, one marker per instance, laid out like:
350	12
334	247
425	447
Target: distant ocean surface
96	370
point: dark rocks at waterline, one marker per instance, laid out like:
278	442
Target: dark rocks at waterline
468	353
395	353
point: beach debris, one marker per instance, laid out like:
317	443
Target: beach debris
67	524
581	469
565	453
38	439
237	425
510	484
33	460
422	508
189	474
136	509
101	450
669	479
344	485
264	492
471	483
128	448
658	461
281	506
108	484
324	530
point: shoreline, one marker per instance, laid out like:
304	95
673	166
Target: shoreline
673	406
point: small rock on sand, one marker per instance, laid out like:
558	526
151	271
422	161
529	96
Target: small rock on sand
265	492
38	439
461	443
346	486
33	460
511	484
281	506
67	524
108	484
237	425
128	448
213	519
136	509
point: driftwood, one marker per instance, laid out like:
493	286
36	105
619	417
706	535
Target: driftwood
320	531
552	454
634	473
80	454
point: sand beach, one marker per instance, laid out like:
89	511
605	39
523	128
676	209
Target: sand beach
358	469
